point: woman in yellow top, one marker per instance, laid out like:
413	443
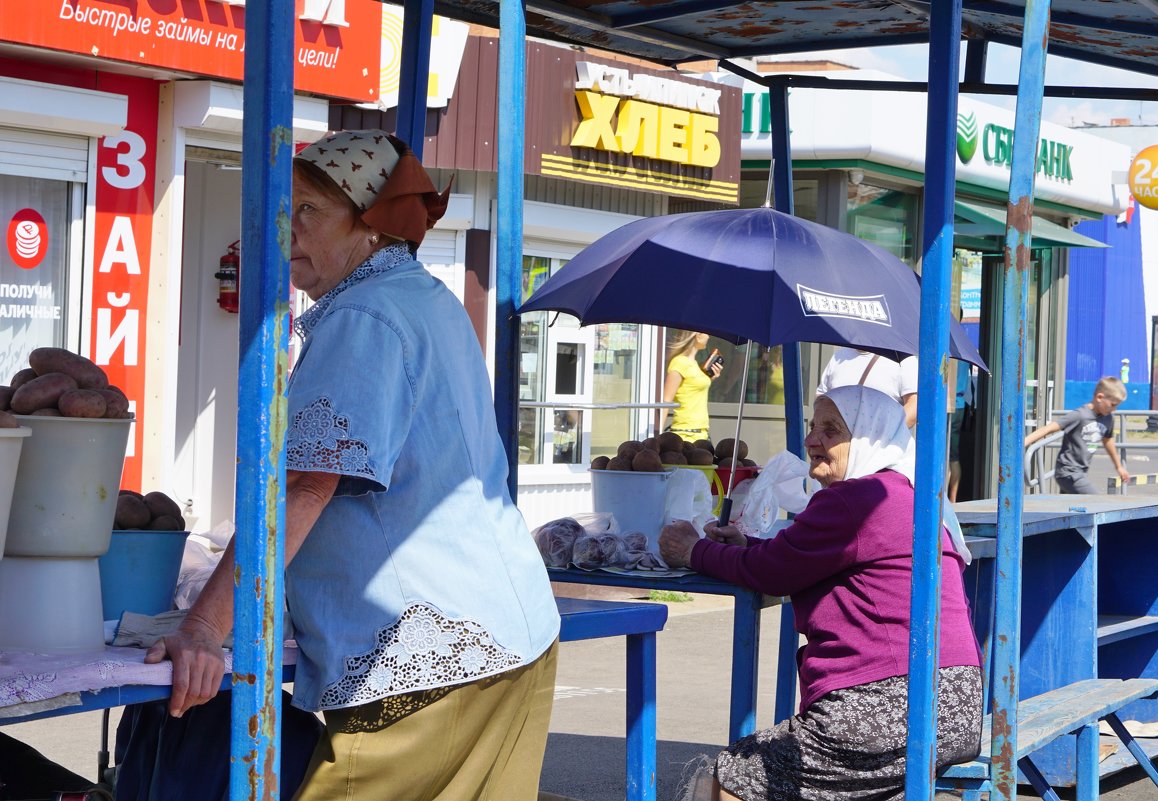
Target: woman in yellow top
686	383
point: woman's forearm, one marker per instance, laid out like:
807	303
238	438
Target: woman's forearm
306	495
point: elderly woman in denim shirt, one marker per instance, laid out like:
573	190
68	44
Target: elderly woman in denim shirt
420	604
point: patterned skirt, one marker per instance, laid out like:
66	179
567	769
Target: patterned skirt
850	744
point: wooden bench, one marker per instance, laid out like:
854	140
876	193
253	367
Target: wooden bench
1073	709
586	620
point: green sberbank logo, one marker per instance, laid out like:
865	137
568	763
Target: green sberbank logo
966	137
1054	159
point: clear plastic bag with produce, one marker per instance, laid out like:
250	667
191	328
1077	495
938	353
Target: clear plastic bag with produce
780	485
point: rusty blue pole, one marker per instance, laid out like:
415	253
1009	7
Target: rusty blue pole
1015	288
414	75
509	228
267	150
932	396
793	389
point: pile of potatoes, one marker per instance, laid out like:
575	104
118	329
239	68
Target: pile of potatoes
60	383
654	453
154	511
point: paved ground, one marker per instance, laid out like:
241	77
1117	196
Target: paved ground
585	755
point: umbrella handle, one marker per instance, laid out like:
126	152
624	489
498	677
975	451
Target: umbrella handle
725	512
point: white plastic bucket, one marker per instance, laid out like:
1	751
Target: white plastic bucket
11	441
636	499
50	605
67	484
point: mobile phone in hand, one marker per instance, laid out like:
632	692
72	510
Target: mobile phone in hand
714	359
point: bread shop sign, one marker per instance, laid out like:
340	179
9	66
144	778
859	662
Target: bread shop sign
644	131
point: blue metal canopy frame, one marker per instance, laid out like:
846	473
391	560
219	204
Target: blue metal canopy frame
623	26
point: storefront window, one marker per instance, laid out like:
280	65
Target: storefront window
562	366
765	374
886	217
36	215
805	194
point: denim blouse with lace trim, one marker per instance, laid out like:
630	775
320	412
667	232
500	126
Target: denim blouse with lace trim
419	572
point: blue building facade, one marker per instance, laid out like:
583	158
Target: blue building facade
1107	319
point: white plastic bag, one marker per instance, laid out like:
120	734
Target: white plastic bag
202	553
689	497
780	485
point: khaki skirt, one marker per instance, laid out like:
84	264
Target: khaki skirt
470	742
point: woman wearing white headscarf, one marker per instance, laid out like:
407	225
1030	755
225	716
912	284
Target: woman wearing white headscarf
846	562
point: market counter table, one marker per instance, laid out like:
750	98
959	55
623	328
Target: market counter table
1089	600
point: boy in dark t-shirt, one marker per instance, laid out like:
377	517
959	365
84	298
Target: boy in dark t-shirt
1084	428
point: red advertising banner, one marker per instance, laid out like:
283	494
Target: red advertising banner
122	241
337	47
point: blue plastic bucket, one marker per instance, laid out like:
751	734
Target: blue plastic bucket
139	572
636	499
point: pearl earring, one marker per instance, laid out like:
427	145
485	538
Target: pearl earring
374	239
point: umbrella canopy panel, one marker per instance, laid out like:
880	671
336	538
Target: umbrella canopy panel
1118	33
747	274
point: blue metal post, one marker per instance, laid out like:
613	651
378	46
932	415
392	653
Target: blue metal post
932	396
267	151
793	388
418	22
1015	288
641	755
509	228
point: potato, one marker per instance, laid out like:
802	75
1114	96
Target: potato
132	492
116	404
81	403
699	456
727	447
670	442
673	457
629	448
21	378
728	462
647	461
619	463
749	463
8	420
161	504
58	360
5	398
706	444
600	462
167	523
42	392
652	444
131	513
50	412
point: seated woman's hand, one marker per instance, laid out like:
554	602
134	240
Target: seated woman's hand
676	541
198	664
729	535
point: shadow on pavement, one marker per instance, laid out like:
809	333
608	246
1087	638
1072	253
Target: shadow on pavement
588	768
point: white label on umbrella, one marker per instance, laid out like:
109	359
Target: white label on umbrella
870	308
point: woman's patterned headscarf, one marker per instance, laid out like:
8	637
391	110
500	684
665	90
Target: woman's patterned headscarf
384	179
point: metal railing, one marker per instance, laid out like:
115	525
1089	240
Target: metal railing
1036	473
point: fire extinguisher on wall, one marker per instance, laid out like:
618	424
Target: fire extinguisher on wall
227	274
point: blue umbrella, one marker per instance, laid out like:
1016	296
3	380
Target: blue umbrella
747	274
